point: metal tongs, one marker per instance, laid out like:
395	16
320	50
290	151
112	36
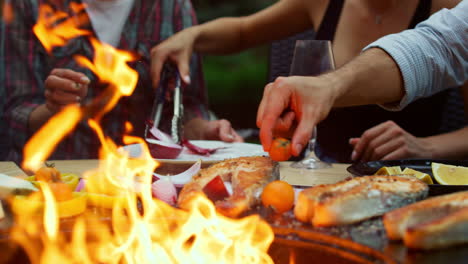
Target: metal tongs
169	73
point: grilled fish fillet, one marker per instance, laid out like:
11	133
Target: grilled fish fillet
357	199
433	223
248	176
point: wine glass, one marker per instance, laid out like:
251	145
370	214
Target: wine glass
312	57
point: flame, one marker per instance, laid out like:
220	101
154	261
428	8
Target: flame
138	228
52	31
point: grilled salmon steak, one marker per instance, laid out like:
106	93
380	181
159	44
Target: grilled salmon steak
437	222
247	175
357	199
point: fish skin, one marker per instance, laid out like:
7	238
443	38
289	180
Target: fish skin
446	231
248	176
436	222
357	199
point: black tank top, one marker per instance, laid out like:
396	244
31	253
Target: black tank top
421	118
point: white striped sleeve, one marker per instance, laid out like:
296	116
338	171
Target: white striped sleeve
433	56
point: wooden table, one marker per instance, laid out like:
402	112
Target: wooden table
9	168
293	176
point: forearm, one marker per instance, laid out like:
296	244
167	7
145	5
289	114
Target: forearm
220	36
371	78
451	145
229	35
38	117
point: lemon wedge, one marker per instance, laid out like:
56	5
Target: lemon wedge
394	170
450	174
420	175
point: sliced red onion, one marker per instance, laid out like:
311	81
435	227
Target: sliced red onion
181	179
165	191
158	134
162	149
199	150
81	185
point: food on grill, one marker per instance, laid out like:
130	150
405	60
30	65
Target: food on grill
279	195
34	204
2	213
248	176
354	200
450	174
437	222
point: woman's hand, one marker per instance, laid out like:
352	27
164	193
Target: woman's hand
291	101
64	87
198	128
388	141
177	49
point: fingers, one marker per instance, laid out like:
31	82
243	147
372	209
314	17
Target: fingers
160	54
64	87
263	102
275	100
157	60
363	144
376	146
184	71
389	148
285	125
74	76
225	131
303	132
55	83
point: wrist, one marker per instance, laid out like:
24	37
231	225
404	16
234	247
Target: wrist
195	34
38	117
338	85
431	151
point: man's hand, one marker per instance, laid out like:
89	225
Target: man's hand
64	87
290	100
388	141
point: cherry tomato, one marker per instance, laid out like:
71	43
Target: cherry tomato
47	174
279	195
61	191
280	149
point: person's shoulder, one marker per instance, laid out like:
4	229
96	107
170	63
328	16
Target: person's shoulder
441	4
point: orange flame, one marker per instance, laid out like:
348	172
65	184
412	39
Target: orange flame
136	228
51	31
47	138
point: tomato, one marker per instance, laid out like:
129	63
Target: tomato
278	195
280	149
61	191
47	174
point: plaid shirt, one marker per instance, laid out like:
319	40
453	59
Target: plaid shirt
26	65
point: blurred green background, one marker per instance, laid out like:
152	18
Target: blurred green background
235	83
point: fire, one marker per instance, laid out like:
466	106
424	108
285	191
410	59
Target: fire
138	228
50	34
